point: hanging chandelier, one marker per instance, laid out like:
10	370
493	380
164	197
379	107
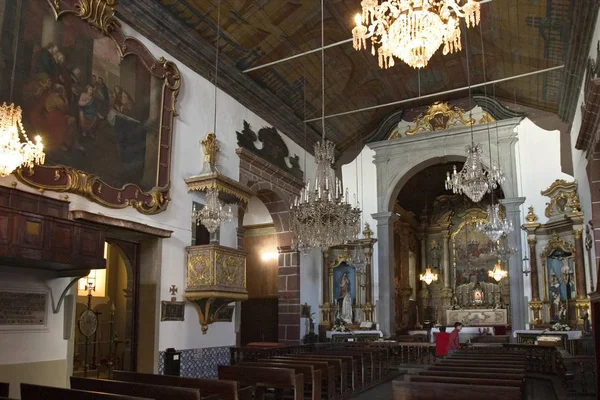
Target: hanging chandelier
212	215
16	150
412	30
474	180
498	273
503	249
428	277
495	227
321	217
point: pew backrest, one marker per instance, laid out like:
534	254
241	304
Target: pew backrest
432	391
155	392
226	390
4	389
37	392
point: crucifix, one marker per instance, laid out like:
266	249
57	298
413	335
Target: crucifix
173	291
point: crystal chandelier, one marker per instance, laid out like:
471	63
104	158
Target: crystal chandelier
503	249
412	30
498	273
212	215
474	179
359	259
428	277
495	227
321	216
16	150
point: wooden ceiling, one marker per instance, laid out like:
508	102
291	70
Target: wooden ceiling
517	36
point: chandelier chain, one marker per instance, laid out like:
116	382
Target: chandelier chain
217	62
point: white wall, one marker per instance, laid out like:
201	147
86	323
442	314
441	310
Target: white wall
257	213
195	119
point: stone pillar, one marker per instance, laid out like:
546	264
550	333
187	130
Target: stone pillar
405	289
535	304
367	245
326	306
385	240
582	303
446	258
289	296
518	307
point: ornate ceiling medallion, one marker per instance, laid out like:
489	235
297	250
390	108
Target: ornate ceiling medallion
412	30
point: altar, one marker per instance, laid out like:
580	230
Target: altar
354	336
477	317
569	339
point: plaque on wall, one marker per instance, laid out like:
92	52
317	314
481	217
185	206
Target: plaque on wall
19	309
172	311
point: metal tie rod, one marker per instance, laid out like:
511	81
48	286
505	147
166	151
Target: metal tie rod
393	103
312	51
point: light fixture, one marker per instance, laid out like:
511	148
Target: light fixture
269	256
503	249
16	150
428	277
321	217
212	215
495	226
498	273
412	30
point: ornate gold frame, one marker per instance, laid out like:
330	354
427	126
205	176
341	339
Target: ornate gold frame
100	14
477	215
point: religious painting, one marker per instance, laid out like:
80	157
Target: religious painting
101	102
344	291
473	255
559	275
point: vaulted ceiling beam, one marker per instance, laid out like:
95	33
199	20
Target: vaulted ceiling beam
436	94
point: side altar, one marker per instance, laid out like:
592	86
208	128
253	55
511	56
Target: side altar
477	317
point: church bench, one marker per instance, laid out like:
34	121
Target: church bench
265	378
461	374
434	391
155	392
469	381
328	375
372	362
350	362
364	364
490	339
486	362
339	368
381	356
499	370
37	392
312	376
226	390
4	389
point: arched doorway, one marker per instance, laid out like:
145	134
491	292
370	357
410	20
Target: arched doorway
109	294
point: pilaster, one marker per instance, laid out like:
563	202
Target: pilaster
385	307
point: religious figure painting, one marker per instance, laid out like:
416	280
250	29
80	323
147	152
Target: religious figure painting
344	292
561	279
96	103
473	256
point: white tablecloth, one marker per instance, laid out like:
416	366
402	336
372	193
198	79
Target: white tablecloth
330	334
572	335
465	334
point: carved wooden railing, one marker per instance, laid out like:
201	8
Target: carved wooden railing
539	359
580	376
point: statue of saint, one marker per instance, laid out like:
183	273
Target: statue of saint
345	299
211	148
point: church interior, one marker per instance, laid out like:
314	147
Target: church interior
227	199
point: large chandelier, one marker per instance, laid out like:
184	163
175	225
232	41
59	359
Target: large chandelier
474	180
16	150
412	30
212	215
321	217
428	277
498	273
495	227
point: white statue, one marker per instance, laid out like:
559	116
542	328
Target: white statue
346	299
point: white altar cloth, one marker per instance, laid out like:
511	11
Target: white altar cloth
330	334
571	335
465	334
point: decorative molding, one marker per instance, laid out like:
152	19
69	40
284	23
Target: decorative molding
590	118
496	109
230	191
273	149
255	161
563	199
81	215
100	15
438	117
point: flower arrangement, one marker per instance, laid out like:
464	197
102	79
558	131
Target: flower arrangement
560	327
339	326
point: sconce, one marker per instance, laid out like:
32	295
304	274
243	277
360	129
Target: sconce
497	273
428	276
267	256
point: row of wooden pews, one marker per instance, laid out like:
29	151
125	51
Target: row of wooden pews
465	375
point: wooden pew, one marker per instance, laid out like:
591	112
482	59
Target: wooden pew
434	391
155	392
4	389
265	378
226	390
471	363
36	392
327	372
332	375
349	361
482	375
469	381
339	368
312	376
365	362
499	370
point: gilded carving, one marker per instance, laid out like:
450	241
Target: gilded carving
531	217
211	149
98	13
199	270
438	117
563	198
577	234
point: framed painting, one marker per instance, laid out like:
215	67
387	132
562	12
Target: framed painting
102	103
172	311
558	263
472	254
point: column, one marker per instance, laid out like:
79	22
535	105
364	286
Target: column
518	307
579	263
385	257
423	301
326	305
447	291
289	296
446	258
535	305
